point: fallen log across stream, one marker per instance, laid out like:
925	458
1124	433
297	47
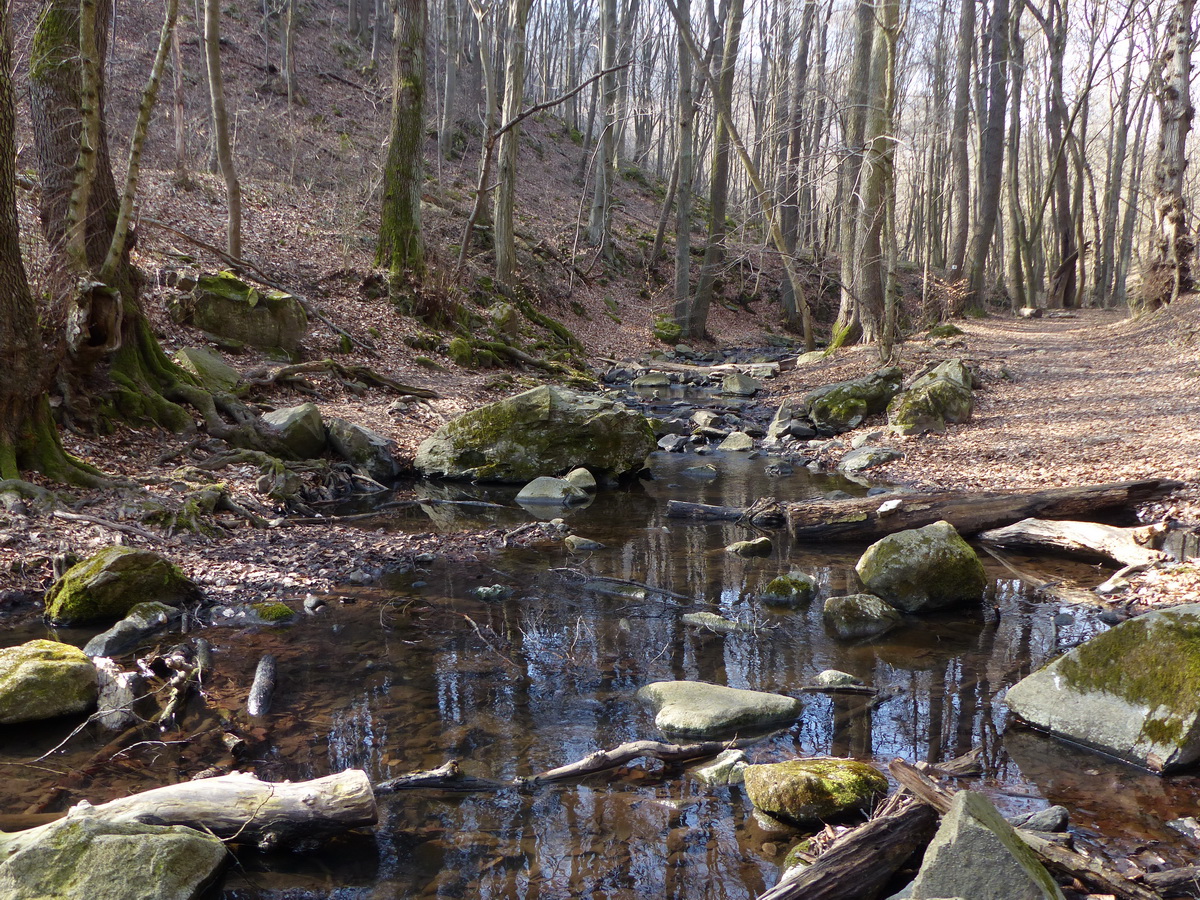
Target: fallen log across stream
870	518
242	808
1127	546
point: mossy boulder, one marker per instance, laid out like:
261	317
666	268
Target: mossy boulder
44	679
1132	692
666	330
944	330
108	584
977	854
923	569
83	857
699	709
810	791
942	396
543	430
369	453
208	368
299	429
792	589
224	305
859	616
846	404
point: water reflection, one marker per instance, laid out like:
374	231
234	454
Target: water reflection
406	678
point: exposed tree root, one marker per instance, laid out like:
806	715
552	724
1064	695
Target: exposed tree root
348	375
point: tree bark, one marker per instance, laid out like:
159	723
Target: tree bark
686	115
960	178
1170	270
602	170
401	242
506	187
220	117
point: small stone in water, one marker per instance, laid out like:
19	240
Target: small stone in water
1064	619
420	584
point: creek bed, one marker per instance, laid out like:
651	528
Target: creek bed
418	670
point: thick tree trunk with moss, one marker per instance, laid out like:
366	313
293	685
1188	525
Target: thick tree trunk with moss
111	337
401	244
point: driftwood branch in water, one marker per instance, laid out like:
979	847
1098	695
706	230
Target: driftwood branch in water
447	776
1093	872
772	516
1127	546
618	756
870	518
242	808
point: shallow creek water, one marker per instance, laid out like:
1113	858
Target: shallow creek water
418	671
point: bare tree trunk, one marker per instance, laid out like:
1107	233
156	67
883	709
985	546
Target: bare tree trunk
1018	237
1105	264
181	163
1169	272
718	196
959	166
401	242
506	187
233	190
446	131
602	173
683	191
991	157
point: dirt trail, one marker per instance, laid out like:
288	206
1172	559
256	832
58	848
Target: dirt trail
1089	398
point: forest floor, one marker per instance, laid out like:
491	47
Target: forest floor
1083	397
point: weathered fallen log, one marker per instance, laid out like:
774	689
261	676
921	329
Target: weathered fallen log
1127	546
1181	882
770	515
447	776
971	512
617	756
1092	872
242	808
862	861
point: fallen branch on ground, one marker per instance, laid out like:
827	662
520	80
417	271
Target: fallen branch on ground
1127	546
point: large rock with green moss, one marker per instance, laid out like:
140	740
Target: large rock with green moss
542	431
108	584
700	709
844	405
224	305
209	368
942	396
977	854
1132	692
923	569
810	791
791	589
82	857
45	679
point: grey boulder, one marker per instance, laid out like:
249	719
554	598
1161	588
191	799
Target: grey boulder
369	453
143	621
921	569
544	429
698	709
1133	691
939	397
548	490
859	616
298	429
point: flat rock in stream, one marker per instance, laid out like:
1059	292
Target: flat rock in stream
700	709
143	621
1133	691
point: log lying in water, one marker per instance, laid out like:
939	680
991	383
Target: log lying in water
1127	546
241	807
764	514
870	518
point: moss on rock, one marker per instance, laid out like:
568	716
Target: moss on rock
108	584
846	404
809	791
44	679
923	569
791	589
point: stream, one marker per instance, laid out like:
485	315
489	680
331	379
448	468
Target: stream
409	673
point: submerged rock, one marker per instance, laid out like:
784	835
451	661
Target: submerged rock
545	429
45	679
82	857
699	709
844	405
727	768
557	491
792	589
809	791
300	430
577	544
939	397
836	678
143	621
108	584
1133	691
712	622
977	854
756	547
859	616
923	569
